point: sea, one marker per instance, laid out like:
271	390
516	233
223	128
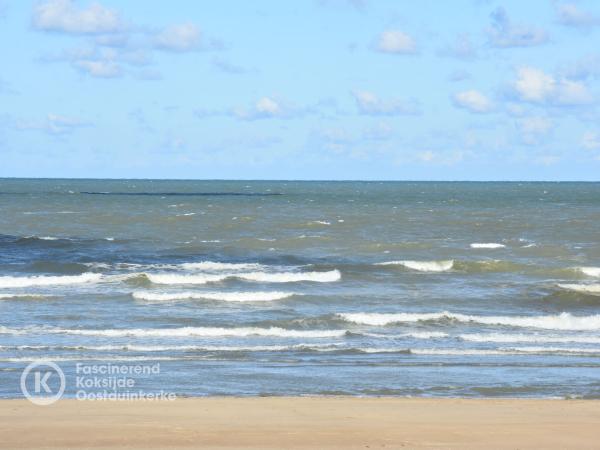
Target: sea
259	288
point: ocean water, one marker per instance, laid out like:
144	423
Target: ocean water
306	288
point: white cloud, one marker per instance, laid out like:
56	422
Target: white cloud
53	124
179	38
590	140
587	67
99	68
473	101
264	108
444	158
394	41
64	16
459	75
535	86
535	125
534	128
504	34
570	15
461	48
268	106
370	104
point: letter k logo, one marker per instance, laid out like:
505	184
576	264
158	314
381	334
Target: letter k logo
42	382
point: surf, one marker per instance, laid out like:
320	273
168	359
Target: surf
563	321
422	266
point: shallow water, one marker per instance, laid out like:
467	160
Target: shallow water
360	288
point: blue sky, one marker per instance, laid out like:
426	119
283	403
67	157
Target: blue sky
315	89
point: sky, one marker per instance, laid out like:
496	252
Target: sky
301	89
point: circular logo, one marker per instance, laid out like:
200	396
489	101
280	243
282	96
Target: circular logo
43	382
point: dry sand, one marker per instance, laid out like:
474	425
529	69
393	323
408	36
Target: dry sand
307	422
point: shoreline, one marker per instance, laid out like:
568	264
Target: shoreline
301	422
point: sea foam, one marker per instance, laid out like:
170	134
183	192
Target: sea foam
43	280
223	296
288	277
563	321
219	266
5	296
508	338
590	271
593	289
181	332
264	277
487	245
422	266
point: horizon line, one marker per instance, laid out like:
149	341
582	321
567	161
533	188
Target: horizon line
303	180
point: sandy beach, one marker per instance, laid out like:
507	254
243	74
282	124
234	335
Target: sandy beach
311	422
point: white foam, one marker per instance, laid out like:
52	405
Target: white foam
381	350
552	350
502	351
422	266
264	277
414	335
181	332
5	296
590	271
563	321
179	348
593	289
456	351
290	277
218	266
172	278
43	280
223	296
95	358
533	338
487	245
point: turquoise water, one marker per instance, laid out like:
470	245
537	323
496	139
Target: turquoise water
272	288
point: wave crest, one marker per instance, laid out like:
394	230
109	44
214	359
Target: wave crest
45	280
590	271
422	266
182	332
222	296
264	277
593	289
487	245
563	321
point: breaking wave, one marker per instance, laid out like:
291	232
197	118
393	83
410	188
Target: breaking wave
422	266
264	277
43	280
223	296
563	321
219	266
487	245
7	296
593	289
533	338
181	332
590	271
